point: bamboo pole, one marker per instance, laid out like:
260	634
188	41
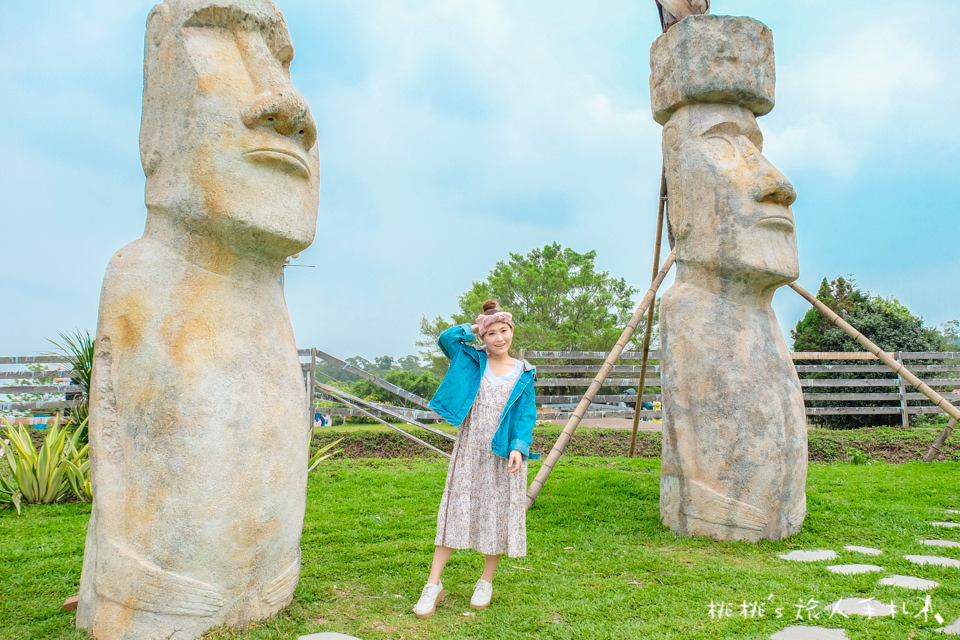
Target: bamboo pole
897	367
935	447
612	357
653	303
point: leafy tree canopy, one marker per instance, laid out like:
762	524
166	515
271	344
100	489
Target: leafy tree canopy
885	321
423	384
558	299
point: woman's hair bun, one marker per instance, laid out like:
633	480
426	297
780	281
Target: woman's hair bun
490	305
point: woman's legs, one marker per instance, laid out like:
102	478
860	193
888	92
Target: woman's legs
440	557
489	566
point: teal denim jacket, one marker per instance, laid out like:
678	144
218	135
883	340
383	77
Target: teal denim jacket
460	386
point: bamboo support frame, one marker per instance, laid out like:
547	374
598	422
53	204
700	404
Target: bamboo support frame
897	367
653	302
547	467
935	447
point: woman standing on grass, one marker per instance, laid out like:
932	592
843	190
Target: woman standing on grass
490	396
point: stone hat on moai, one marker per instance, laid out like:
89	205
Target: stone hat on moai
712	59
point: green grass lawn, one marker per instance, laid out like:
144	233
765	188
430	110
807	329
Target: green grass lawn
599	564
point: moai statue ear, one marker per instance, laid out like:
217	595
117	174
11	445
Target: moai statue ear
158	23
671	148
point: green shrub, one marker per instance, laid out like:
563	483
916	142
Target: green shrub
49	474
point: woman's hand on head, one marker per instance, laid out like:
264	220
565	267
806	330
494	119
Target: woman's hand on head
475	329
513	464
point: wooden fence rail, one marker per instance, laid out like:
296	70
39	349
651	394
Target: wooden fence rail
564	375
824	378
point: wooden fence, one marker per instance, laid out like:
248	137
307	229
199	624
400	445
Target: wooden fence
52	379
563	376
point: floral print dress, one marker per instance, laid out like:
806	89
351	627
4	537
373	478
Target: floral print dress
484	508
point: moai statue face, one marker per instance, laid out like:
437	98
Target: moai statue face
729	207
227	143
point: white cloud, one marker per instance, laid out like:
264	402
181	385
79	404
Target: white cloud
866	81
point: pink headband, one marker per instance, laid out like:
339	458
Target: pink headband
484	320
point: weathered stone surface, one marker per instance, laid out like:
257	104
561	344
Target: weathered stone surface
734	460
860	607
870	551
939	561
908	582
712	59
809	633
946	525
941	543
810	556
198	427
853	569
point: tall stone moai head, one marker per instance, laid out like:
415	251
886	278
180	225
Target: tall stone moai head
228	145
734	458
729	210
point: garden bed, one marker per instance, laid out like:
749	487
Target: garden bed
879	444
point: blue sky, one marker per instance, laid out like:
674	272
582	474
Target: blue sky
453	132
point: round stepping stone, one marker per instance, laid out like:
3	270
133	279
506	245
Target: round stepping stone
952	510
870	551
860	607
952	629
937	560
810	556
809	633
908	582
947	525
941	543
853	569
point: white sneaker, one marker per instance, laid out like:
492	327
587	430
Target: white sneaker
427	604
482	594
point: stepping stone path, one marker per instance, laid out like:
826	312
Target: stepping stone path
853	569
870	606
810	556
941	543
937	560
328	635
908	582
870	551
952	629
809	633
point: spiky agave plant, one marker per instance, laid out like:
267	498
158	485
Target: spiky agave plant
78	348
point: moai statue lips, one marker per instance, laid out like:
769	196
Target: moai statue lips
199	422
734	455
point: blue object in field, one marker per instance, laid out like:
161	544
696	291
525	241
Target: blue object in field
647	406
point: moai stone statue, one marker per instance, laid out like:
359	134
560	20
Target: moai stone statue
734	461
199	420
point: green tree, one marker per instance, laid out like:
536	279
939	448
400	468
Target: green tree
951	335
885	321
888	323
558	299
422	384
